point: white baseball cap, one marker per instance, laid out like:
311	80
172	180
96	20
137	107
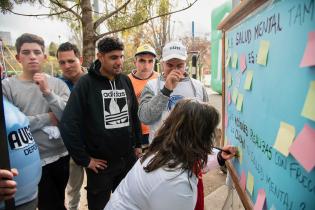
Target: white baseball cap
174	50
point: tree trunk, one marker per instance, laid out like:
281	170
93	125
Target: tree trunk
89	39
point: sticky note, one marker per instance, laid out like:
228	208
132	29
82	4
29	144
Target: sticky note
285	136
243	181
309	52
263	52
238	77
229	97
227	61
234	61
260	201
243	62
250	183
248	80
239	104
309	104
303	148
234	95
229	79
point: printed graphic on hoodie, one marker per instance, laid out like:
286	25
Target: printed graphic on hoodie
115	108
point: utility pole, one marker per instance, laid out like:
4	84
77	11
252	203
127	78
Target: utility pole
194	55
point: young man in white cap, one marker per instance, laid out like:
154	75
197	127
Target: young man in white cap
161	94
144	62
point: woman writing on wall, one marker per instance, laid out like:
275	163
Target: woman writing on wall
166	176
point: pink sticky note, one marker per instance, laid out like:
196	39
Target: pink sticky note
303	148
243	180
309	58
229	98
226	120
260	201
243	62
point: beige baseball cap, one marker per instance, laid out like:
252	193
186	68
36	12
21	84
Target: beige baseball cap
145	48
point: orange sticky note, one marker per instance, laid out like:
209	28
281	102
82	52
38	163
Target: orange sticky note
303	148
260	201
285	136
308	57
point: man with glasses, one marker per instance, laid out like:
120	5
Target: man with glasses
70	61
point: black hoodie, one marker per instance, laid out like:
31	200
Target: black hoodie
100	119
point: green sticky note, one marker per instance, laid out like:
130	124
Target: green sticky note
263	52
248	80
234	61
229	79
285	136
239	104
250	183
309	104
234	95
227	61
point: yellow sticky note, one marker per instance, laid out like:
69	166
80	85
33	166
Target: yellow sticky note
234	95
234	61
250	183
229	79
227	61
248	80
240	154
263	52
239	104
309	104
285	136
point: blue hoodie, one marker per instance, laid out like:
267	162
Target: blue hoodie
23	153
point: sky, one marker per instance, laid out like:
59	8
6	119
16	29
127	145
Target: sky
57	31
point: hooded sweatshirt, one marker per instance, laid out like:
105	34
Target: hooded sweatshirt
100	119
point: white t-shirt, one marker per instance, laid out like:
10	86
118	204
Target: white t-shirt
157	190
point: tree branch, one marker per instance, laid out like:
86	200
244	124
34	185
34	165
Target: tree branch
104	17
143	22
66	8
39	15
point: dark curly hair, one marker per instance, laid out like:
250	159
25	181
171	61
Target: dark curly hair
185	139
29	38
67	46
109	44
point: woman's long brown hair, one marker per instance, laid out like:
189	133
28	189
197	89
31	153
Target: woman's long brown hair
185	139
